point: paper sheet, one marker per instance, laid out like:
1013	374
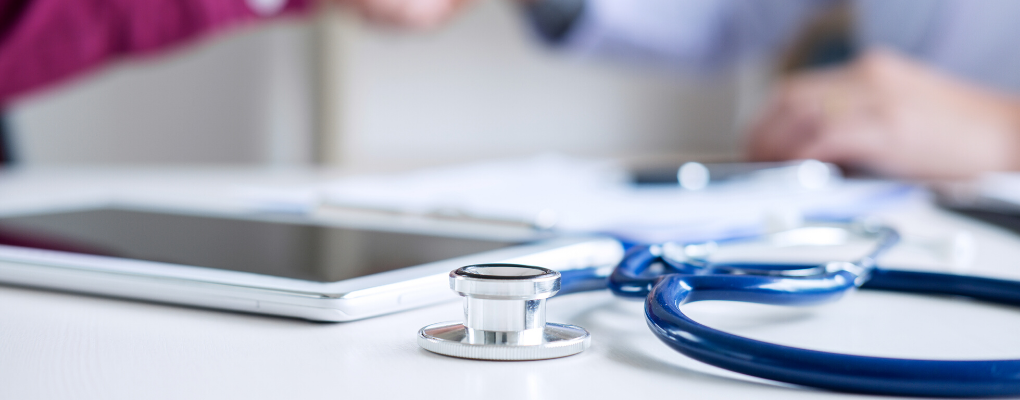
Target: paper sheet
579	195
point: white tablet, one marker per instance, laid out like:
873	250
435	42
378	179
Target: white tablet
280	266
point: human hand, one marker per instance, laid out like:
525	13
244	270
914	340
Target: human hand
889	115
413	14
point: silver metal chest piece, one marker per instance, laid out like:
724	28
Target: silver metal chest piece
504	317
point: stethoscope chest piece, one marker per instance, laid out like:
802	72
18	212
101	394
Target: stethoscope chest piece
504	317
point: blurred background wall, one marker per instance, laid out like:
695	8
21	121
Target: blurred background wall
244	97
338	92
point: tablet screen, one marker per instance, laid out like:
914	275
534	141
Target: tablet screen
285	249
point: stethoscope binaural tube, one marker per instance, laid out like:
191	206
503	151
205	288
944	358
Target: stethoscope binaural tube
684	281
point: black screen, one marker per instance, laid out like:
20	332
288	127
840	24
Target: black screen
285	249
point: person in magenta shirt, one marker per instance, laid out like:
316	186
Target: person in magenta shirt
43	42
46	42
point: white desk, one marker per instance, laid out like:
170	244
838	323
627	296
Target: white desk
57	345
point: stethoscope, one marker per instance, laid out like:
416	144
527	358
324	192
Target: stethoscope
505	316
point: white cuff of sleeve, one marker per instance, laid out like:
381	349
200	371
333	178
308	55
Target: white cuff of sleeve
266	8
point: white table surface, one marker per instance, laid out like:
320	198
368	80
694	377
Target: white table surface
60	345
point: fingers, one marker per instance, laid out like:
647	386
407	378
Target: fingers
849	142
378	11
785	126
429	13
818	115
414	14
792	116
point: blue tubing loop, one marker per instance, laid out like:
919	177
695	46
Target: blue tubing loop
841	372
672	283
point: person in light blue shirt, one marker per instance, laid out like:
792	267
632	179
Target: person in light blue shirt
934	91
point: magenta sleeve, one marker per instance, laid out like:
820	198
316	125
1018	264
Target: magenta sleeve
43	42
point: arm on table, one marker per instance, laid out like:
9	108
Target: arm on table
890	115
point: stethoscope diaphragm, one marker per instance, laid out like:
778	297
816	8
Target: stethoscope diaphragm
504	317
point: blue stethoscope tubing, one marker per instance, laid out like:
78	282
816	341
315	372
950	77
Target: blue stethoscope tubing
687	281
